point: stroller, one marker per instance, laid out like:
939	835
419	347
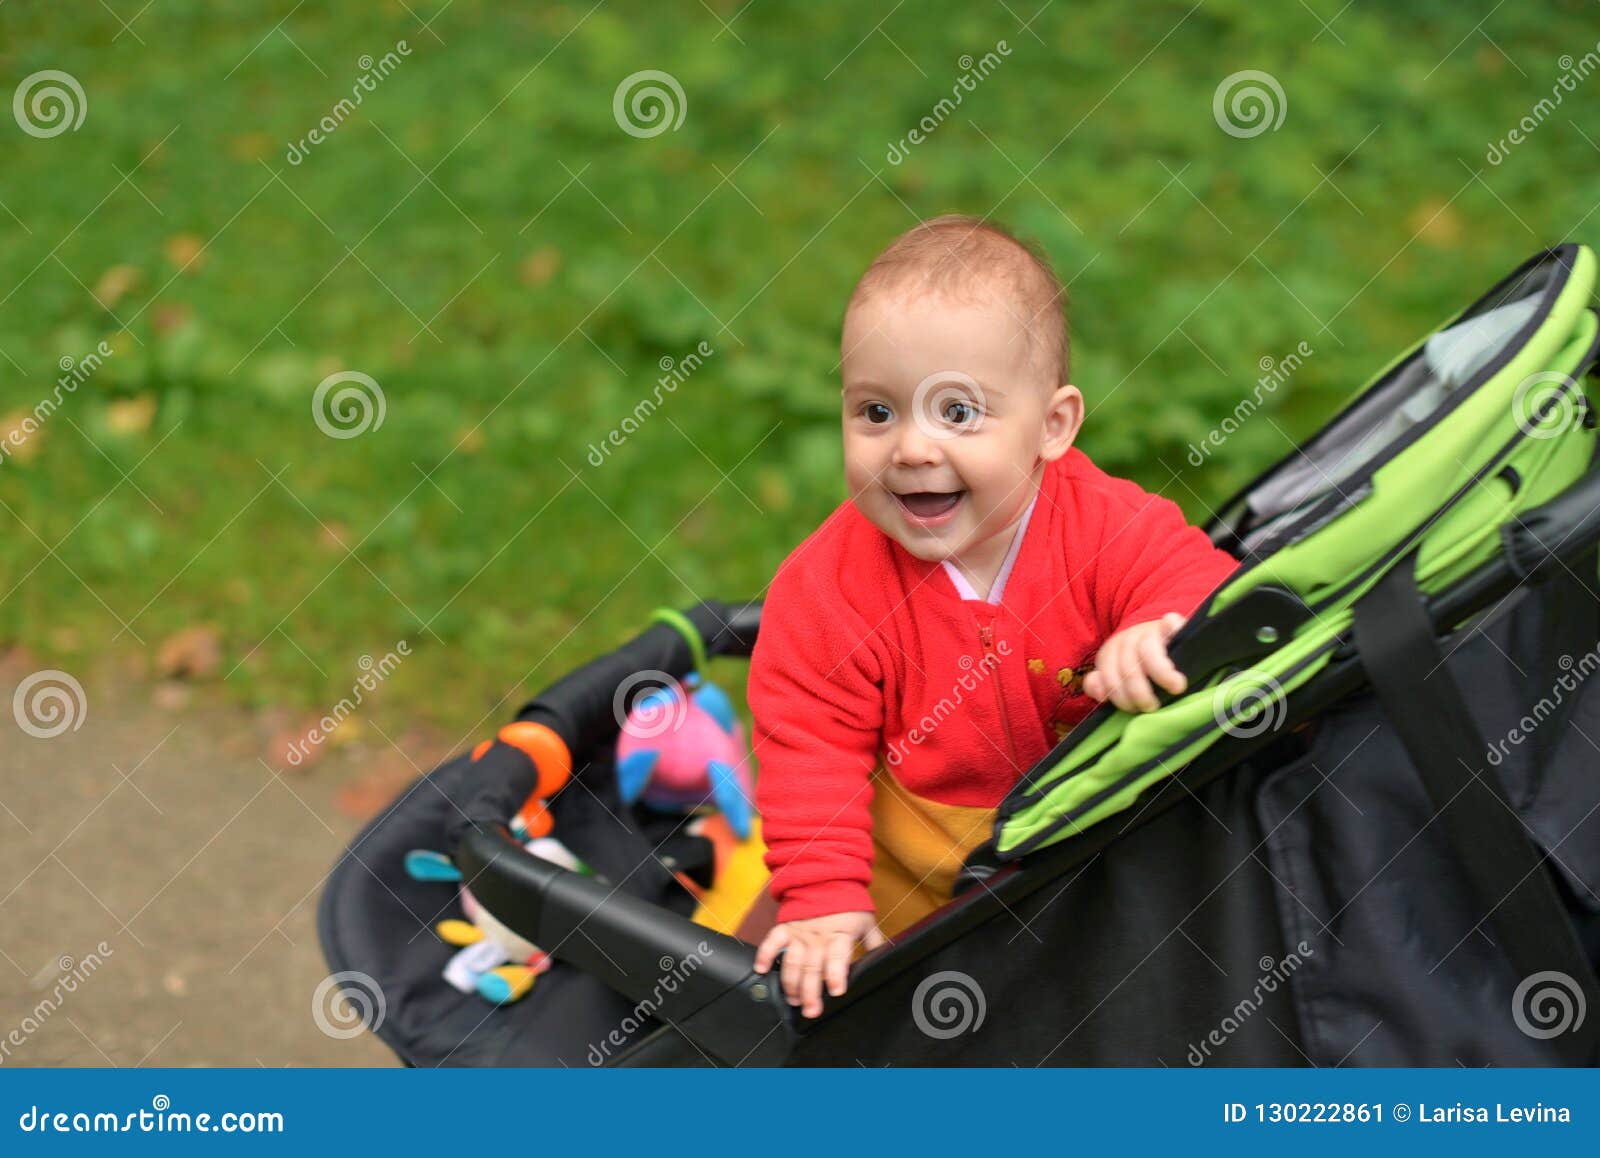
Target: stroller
1368	833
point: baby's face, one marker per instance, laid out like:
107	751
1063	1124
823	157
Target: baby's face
948	421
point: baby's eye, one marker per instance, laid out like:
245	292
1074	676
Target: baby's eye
876	413
959	412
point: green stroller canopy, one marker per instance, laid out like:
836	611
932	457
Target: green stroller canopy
1478	423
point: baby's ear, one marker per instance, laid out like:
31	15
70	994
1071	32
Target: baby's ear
1062	417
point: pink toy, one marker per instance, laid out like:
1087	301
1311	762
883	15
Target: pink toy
680	750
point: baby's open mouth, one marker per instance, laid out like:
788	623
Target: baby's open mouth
929	505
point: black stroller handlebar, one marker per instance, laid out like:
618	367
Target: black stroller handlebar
699	982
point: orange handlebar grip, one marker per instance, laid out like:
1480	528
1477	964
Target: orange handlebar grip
547	750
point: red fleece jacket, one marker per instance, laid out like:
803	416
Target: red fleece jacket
868	654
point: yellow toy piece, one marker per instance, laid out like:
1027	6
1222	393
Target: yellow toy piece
508	983
458	933
741	874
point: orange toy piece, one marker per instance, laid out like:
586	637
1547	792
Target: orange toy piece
536	817
550	757
546	749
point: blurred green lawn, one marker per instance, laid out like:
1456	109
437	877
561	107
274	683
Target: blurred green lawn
483	240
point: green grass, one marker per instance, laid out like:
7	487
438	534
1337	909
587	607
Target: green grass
514	305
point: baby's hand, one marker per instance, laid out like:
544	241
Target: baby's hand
817	949
1130	659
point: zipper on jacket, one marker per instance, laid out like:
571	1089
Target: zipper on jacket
986	638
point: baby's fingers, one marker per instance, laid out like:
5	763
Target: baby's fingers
771	945
1122	681
836	970
794	967
811	981
1103	681
1158	665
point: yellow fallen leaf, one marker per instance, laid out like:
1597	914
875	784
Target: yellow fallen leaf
129	416
186	251
114	283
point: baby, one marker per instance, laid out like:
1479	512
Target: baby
985	585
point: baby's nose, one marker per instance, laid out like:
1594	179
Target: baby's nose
915	446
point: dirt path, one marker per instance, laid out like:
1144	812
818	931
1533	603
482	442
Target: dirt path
159	887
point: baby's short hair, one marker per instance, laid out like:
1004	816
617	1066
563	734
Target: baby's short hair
966	257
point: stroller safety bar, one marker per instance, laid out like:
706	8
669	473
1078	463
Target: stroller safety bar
716	1000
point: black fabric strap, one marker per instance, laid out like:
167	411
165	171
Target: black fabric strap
1403	662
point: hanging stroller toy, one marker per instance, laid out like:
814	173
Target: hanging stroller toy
1368	832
